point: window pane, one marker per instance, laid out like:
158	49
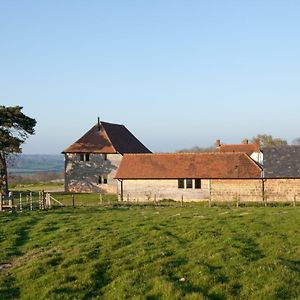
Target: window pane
87	157
198	183
81	157
105	179
189	183
181	183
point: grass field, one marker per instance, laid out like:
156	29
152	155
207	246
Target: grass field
148	252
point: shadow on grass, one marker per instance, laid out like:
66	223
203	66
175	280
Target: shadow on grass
22	235
292	265
248	248
100	279
8	290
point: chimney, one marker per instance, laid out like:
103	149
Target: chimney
245	141
218	143
98	124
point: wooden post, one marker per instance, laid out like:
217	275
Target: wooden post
127	197
100	198
73	200
181	200
10	200
294	203
237	200
1	202
21	206
30	198
49	200
40	201
154	199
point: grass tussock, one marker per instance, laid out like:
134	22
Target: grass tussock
151	252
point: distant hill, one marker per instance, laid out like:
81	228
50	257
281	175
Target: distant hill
28	164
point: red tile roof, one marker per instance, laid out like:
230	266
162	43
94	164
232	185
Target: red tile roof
246	148
188	165
111	138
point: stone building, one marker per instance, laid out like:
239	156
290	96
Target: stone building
92	161
282	173
252	149
187	176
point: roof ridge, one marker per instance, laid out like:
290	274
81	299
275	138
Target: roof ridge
189	153
111	123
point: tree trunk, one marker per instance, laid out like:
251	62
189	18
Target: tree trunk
3	171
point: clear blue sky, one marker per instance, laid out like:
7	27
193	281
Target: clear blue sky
176	73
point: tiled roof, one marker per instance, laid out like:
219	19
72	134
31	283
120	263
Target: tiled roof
282	162
246	148
111	138
188	165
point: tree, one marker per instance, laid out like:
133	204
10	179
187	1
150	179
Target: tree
296	141
15	127
267	140
196	149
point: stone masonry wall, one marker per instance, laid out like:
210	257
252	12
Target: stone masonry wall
83	176
277	190
220	190
229	189
146	190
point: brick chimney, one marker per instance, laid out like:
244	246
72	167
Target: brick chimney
245	141
218	143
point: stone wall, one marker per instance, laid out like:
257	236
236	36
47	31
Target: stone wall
83	176
277	190
229	189
147	190
218	190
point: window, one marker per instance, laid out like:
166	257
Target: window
84	157
189	183
198	183
105	156
103	179
181	183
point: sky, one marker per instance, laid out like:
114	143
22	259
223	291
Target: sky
177	74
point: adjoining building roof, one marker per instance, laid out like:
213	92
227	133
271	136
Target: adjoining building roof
107	138
282	162
188	165
245	147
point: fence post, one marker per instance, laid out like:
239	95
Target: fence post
10	200
237	200
21	206
49	200
181	200
0	202
154	199
30	198
294	199
73	200
100	198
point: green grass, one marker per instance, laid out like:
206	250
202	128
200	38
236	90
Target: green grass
37	186
148	252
